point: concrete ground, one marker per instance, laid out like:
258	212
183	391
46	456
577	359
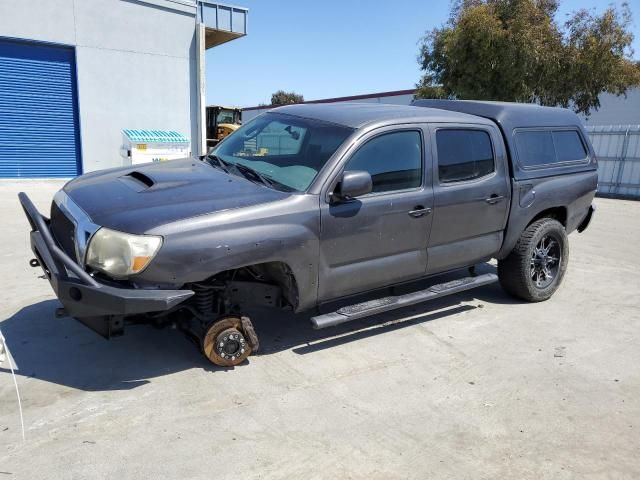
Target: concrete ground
474	386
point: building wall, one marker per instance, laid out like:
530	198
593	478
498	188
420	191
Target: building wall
135	61
618	150
616	110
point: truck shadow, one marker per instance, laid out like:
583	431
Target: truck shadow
62	351
294	331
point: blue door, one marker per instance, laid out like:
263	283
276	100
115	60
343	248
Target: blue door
38	115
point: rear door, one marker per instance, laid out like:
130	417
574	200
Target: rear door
380	238
471	195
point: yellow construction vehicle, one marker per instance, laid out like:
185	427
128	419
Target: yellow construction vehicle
221	121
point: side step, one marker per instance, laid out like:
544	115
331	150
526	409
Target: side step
385	304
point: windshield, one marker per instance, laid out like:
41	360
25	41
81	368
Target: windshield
226	116
287	150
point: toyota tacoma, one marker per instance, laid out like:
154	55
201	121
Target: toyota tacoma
309	204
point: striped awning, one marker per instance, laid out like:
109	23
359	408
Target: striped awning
155	136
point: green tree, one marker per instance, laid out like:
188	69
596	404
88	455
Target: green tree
286	98
515	50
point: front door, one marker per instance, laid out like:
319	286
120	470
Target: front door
380	238
471	191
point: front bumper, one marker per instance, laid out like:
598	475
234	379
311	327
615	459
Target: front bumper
100	307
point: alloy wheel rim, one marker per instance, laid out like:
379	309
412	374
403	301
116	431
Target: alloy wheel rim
545	261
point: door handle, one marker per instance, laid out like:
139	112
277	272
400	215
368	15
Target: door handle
493	199
419	211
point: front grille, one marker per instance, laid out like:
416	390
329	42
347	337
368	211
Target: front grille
63	230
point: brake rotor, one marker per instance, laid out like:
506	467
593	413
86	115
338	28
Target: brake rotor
224	342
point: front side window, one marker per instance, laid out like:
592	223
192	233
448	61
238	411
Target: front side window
463	154
288	151
394	161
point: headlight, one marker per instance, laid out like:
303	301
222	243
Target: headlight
121	254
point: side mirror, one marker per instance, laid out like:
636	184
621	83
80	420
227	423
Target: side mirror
354	183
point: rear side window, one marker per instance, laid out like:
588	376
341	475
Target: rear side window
394	161
544	147
569	147
535	148
463	154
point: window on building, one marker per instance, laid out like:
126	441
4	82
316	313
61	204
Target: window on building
463	154
394	161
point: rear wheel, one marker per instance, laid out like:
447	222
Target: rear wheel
535	267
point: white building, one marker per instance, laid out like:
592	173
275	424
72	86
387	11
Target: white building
75	73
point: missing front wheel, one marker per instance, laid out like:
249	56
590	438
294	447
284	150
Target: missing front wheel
229	341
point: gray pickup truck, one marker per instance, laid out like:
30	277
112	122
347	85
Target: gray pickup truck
309	204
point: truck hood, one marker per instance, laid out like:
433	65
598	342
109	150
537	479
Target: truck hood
138	198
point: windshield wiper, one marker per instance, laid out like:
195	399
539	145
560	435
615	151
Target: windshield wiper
217	162
265	179
250	172
247	172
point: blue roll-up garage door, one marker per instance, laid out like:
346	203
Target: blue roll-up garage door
38	115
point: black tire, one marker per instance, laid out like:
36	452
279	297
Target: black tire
528	272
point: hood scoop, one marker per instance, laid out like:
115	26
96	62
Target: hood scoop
139	198
138	180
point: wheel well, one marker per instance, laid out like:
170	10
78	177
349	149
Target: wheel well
557	213
272	273
281	274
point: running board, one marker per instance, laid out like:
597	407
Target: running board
385	304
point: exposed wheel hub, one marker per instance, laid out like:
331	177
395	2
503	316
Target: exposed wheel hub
545	261
230	344
228	341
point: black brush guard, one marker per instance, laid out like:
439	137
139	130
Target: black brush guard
98	306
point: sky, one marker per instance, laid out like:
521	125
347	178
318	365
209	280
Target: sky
335	48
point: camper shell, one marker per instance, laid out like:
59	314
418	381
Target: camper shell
513	118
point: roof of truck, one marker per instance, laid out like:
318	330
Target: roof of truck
507	114
356	115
